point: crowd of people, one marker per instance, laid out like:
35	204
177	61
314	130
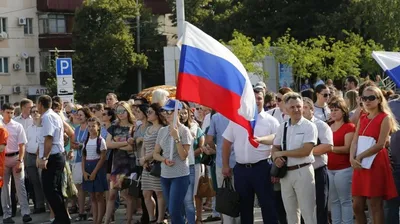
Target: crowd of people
338	149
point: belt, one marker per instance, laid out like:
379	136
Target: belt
12	154
32	154
295	167
250	165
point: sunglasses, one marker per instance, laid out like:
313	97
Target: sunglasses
368	98
74	111
326	95
120	112
169	112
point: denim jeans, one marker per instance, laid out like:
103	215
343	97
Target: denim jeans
189	202
392	206
340	195
174	191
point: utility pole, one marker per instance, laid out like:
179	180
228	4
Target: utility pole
139	72
180	16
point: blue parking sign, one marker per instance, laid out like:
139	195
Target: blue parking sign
64	66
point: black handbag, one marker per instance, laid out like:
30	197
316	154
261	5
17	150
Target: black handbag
155	169
227	199
280	172
207	160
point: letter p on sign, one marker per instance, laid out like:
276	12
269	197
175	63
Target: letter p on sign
64	67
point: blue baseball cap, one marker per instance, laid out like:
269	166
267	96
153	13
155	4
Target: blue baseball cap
170	105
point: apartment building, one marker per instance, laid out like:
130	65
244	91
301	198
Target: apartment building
19	51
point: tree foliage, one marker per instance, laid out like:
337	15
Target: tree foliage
248	53
103	47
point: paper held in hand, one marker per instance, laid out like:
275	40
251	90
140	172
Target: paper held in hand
364	143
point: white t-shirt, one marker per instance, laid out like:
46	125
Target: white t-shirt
91	148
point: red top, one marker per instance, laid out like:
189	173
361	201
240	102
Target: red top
3	141
377	181
340	161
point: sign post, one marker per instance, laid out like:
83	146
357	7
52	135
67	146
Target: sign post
65	85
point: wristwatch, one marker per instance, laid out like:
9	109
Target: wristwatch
44	158
177	141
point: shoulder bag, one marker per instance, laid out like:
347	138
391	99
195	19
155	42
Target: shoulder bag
281	172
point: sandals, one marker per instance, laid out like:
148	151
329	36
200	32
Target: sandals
81	217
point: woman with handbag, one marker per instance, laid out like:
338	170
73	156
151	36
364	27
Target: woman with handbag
373	180
194	165
151	183
175	141
117	139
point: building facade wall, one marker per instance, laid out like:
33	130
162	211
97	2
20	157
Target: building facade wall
19	48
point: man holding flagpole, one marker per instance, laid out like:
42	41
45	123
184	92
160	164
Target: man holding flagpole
252	170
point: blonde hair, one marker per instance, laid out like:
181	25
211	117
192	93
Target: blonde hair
383	106
352	95
160	96
125	105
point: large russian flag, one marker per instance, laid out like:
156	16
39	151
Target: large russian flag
390	62
211	75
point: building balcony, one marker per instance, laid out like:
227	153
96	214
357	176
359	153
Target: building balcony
51	41
58	5
158	7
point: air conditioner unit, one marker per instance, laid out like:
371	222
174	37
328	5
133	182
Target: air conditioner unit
3	35
17	89
21	21
24	55
16	66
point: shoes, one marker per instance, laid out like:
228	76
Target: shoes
212	219
8	221
90	218
81	217
26	218
39	210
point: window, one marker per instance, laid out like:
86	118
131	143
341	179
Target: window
3	24
30	65
3	65
28	27
47	59
52	24
4	99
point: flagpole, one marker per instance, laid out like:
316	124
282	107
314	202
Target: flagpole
180	16
171	153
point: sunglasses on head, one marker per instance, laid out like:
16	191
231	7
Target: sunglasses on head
368	98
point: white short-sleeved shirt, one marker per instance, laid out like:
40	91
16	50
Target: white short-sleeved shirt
91	148
278	114
32	134
52	125
244	152
325	136
16	136
303	132
322	113
26	122
206	122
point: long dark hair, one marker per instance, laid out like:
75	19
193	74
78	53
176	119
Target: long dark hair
98	139
157	109
189	121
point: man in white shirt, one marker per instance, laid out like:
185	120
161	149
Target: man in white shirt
324	145
252	169
25	118
51	159
298	185
15	151
32	134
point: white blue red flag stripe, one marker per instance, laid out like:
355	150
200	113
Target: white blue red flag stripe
390	62
211	75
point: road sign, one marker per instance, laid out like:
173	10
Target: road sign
64	67
65	82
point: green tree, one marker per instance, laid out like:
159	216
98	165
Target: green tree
103	47
250	54
51	82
